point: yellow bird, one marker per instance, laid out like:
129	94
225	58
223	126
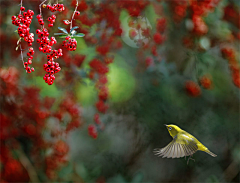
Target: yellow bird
183	144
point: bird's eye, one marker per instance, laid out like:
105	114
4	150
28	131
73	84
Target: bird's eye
170	128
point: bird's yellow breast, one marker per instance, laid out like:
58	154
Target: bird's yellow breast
186	138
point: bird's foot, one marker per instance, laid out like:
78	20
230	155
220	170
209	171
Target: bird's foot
190	158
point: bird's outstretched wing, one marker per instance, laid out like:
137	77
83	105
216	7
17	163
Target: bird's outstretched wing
176	149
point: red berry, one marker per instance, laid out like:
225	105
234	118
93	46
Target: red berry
192	88
206	82
77	13
22	8
158	38
14	17
66	22
39	16
25	64
38	31
96	119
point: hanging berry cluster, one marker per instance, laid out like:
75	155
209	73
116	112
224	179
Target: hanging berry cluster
55	7
46	44
70	44
29	62
23	21
230	54
51	20
100	69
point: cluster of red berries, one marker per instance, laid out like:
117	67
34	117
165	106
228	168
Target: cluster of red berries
98	66
101	69
29	62
55	7
40	19
102	49
200	27
70	44
44	41
69	105
92	131
56	159
46	47
40	109
161	25
23	22
193	89
51	68
158	38
199	10
179	10
12	168
51	20
134	7
231	14
230	54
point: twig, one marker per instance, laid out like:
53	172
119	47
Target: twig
28	166
231	171
40	9
20	8
22	54
73	15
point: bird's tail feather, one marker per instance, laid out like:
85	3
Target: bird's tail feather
210	153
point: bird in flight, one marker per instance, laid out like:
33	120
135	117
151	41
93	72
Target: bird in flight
182	145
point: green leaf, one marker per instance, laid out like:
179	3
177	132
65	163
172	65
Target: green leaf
58	34
79	35
62	29
62	36
73	28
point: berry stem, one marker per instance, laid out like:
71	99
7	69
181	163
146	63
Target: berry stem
22	55
27	164
73	15
21	6
40	8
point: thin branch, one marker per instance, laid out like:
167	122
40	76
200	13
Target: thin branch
28	166
73	15
20	8
22	54
40	9
23	159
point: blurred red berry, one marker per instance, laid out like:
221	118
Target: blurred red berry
192	88
206	82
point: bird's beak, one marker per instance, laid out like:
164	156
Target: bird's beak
165	125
